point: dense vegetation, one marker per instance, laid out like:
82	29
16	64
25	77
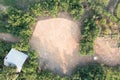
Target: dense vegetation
96	72
17	20
89	33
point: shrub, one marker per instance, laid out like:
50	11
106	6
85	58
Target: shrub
96	72
89	72
18	20
89	32
76	9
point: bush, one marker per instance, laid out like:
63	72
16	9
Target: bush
53	7
5	71
89	32
18	20
96	72
103	2
45	8
89	72
76	9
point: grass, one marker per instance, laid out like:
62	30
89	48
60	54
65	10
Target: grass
118	11
104	2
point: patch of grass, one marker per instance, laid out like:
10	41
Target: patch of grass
103	2
118	11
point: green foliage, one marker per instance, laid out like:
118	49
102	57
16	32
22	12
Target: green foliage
52	7
45	8
23	44
89	72
5	72
8	73
112	73
2	27
64	5
89	32
76	9
97	72
18	23
36	10
2	22
118	11
18	20
103	21
99	8
4	48
104	2
47	75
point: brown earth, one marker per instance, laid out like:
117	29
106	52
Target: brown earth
8	37
57	42
107	51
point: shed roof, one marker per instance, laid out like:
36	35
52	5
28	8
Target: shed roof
15	57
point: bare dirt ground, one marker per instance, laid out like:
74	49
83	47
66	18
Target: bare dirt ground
107	51
57	42
8	37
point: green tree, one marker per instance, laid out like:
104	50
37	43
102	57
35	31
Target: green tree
89	32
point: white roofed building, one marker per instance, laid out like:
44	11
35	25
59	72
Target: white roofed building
15	58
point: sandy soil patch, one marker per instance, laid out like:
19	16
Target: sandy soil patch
107	51
57	41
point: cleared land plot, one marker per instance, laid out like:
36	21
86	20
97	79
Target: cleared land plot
57	41
107	51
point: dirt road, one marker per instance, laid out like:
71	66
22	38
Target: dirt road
8	37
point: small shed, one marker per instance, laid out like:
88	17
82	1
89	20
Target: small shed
15	58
